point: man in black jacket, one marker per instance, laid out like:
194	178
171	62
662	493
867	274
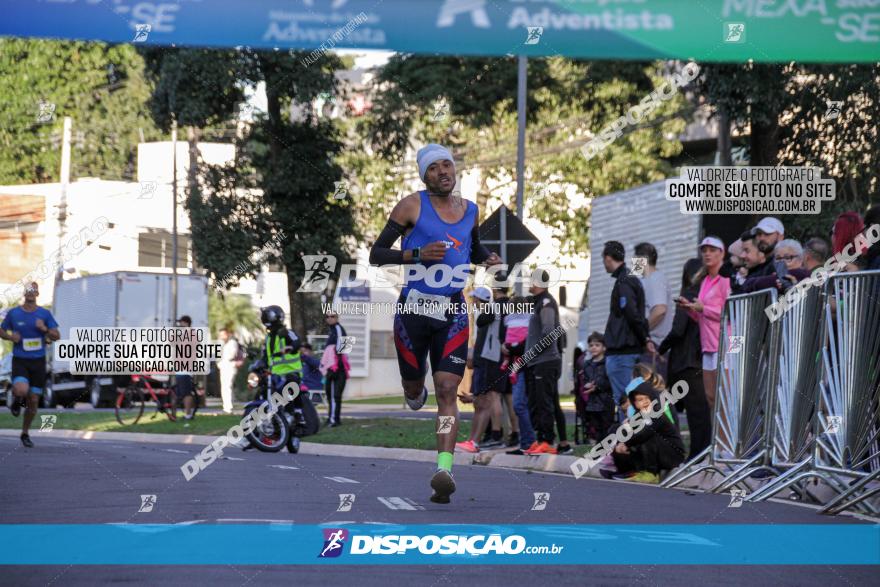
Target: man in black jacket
758	264
626	332
685	363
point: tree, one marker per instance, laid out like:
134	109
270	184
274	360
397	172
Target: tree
234	312
782	109
279	188
101	87
569	101
845	147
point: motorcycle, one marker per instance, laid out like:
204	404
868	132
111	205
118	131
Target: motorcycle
287	425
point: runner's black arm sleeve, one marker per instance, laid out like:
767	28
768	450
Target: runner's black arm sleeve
479	252
382	253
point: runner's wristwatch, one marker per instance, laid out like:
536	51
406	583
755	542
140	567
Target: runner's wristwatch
416	252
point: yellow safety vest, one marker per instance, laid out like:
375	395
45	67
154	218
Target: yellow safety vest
280	362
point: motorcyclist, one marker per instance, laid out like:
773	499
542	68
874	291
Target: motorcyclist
281	357
281	353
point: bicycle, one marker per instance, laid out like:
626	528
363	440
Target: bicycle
130	401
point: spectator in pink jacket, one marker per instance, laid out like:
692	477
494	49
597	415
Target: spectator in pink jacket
706	310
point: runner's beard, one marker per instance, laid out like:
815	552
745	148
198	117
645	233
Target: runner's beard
434	189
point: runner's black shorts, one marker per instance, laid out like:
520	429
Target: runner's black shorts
33	370
184	385
446	341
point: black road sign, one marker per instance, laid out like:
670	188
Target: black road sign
505	234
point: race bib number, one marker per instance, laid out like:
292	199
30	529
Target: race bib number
32	344
430	305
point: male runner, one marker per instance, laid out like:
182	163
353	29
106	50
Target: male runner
31	327
438	228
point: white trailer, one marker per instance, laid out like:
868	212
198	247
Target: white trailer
121	298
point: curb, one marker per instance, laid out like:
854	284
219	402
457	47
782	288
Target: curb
129	436
308	448
544	463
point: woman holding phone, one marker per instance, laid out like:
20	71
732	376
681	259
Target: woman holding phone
707	308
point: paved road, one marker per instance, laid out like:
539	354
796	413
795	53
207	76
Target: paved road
79	481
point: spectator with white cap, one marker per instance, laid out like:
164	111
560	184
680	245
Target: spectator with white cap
707	309
768	232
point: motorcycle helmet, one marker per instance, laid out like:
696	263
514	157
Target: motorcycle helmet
272	316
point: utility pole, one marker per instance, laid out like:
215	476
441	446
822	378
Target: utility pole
62	204
65	182
521	132
521	77
174	219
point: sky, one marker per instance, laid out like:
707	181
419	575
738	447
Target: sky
364	58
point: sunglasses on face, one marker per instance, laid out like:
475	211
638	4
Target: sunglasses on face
788	258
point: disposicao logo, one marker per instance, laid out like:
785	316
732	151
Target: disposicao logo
450	544
334	541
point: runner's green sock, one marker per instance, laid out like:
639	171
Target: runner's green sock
444	461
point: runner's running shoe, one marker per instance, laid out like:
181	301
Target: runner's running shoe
467	446
26	440
416	404
543	448
443	485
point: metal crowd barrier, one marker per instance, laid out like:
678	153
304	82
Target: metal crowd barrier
746	377
816	373
792	427
846	433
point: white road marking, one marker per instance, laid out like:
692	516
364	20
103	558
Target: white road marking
285	467
231	458
342	479
400	503
174	450
260	520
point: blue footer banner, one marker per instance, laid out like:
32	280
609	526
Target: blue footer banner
380	544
